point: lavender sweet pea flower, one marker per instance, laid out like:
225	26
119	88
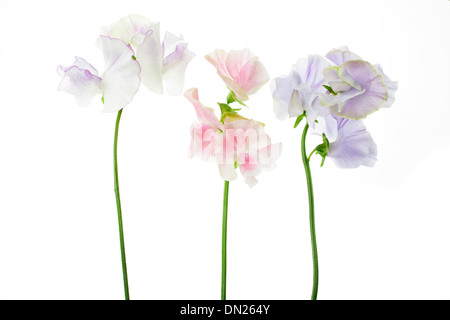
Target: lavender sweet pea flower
353	145
118	84
358	87
166	62
299	91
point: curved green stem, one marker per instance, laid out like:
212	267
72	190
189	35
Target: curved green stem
119	209
311	216
224	241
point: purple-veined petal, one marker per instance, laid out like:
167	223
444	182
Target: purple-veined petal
176	58
121	79
374	90
80	80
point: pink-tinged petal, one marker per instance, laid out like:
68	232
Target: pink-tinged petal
121	79
149	55
204	115
175	61
354	146
374	95
241	71
340	55
204	142
392	87
81	81
132	29
263	161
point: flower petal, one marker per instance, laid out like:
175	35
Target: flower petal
149	55
81	81
310	71
204	141
205	115
341	55
227	172
241	71
354	146
121	77
282	89
392	87
374	89
132	29
175	62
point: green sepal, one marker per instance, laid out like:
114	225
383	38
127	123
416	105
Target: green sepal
232	98
227	112
330	90
299	119
134	57
103	99
322	149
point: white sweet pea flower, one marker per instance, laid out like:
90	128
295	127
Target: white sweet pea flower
166	62
118	84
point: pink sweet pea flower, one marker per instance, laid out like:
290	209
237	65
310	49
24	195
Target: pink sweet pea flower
236	143
241	71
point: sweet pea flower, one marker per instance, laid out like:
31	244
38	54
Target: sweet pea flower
237	143
352	146
118	84
241	71
166	62
357	88
298	93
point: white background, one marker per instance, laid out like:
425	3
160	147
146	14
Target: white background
383	232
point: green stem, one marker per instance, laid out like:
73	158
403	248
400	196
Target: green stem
224	241
311	217
119	209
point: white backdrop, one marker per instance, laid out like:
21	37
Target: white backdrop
383	232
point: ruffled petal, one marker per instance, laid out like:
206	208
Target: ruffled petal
354	146
282	90
241	71
310	71
374	90
80	80
175	61
149	55
204	141
132	29
392	87
121	77
205	115
340	55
